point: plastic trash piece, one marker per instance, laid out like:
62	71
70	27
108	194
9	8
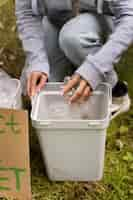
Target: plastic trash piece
10	91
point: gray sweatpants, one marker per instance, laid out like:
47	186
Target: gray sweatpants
68	47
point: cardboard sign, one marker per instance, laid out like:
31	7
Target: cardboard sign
14	155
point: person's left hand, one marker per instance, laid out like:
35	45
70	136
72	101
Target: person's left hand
83	89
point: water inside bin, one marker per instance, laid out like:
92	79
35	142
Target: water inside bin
56	107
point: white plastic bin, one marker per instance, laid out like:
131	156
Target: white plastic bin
10	92
72	138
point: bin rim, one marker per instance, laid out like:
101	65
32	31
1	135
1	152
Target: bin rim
71	124
93	122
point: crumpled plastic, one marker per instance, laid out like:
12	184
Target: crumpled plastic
8	89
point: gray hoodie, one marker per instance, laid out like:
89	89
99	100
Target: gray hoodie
29	21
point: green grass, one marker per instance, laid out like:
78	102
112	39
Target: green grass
117	183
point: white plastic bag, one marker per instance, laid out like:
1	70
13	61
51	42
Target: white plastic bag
10	91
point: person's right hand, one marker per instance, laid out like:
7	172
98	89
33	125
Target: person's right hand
36	82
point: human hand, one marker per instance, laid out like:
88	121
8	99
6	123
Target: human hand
82	91
36	82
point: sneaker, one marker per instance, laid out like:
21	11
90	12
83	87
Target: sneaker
120	99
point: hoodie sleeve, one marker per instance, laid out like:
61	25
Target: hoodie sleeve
32	35
94	68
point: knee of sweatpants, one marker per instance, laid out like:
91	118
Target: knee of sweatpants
69	42
77	46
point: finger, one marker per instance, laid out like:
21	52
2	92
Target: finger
34	80
73	82
86	93
79	92
29	86
41	83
